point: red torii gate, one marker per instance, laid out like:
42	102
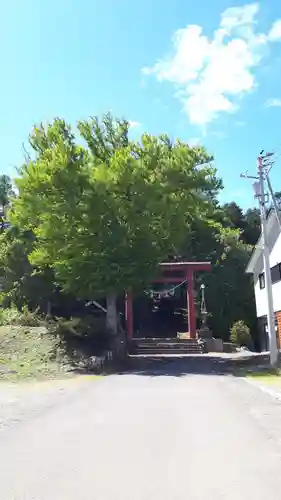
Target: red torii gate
187	270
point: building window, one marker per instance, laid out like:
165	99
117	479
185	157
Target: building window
275	273
261	280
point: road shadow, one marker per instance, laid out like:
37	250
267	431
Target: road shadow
178	366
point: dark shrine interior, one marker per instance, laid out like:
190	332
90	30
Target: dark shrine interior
161	312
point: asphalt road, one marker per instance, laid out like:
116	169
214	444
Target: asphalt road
164	431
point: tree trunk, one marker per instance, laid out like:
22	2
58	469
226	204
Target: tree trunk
118	340
111	313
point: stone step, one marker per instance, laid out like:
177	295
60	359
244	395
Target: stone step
165	346
158	341
164	349
159	353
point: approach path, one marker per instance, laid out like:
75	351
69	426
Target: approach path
165	430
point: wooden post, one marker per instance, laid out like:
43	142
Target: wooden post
191	303
129	315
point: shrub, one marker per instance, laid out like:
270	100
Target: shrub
240	334
12	316
9	316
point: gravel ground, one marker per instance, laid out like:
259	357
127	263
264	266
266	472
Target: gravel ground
178	429
20	402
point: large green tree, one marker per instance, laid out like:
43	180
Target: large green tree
248	222
252	226
234	216
106	214
229	291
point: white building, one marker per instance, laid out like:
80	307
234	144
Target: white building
256	268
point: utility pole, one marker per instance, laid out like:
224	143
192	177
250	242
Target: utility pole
268	161
258	185
276	208
266	263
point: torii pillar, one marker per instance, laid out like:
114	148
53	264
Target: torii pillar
179	272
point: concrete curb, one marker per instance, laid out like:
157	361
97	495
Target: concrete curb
267	390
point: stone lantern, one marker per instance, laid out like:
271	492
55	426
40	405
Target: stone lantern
204	332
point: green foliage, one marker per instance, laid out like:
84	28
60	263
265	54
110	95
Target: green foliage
6	190
9	316
23	283
247	223
12	316
240	334
104	216
233	215
252	227
95	220
229	291
82	337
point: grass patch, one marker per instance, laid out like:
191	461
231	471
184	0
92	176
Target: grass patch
30	353
33	348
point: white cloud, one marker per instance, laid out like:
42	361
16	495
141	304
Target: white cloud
211	75
275	31
133	124
194	141
273	103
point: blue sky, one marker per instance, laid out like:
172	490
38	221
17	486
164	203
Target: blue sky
200	73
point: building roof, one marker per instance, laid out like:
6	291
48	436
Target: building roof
271	223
